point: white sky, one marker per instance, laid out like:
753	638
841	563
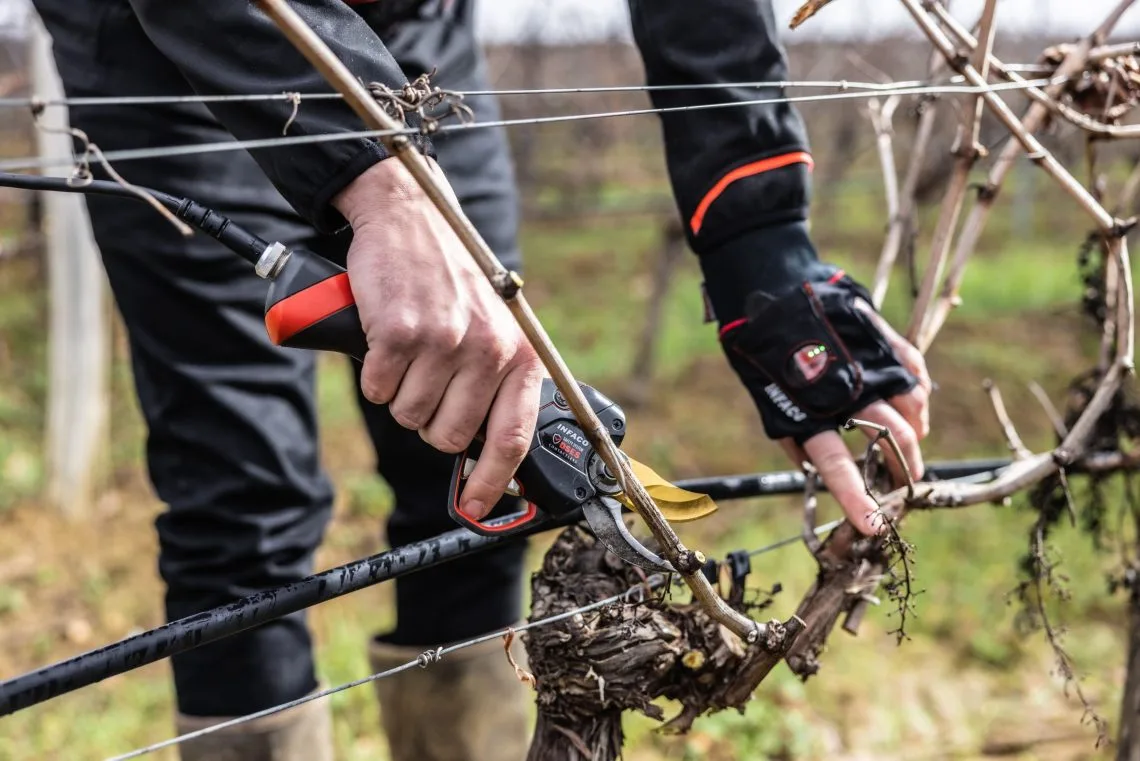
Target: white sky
555	20
504	20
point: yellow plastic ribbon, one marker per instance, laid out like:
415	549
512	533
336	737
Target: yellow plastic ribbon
676	504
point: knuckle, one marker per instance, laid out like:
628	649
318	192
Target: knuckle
448	441
374	390
444	337
489	345
513	442
400	334
409	418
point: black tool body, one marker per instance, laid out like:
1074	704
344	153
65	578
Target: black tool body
560	472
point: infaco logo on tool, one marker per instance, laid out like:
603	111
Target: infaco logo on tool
569	433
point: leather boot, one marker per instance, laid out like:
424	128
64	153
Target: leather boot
303	733
469	706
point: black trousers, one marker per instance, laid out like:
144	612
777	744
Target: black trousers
232	433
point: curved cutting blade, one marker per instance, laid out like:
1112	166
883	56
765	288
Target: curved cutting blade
605	519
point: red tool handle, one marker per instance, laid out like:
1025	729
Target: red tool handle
310	306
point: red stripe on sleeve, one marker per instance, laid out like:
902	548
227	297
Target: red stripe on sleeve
748	170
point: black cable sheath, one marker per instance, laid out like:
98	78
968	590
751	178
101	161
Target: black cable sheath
211	625
230	234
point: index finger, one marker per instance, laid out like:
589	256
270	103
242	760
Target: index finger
910	357
843	479
510	428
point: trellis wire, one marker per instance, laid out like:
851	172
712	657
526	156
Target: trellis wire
159	100
424	660
24	164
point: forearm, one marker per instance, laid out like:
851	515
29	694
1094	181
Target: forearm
733	168
230	47
740	173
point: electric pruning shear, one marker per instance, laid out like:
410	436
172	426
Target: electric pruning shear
310	306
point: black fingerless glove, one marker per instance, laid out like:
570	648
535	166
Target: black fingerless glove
808	356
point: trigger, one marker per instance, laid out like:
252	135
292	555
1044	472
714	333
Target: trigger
513	488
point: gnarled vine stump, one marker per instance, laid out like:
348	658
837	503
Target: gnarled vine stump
592	667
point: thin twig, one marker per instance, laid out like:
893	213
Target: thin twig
1101	34
1012	439
882	432
806	11
1050	410
881	116
902	228
1096	55
1087	123
903	594
523	675
810	534
1129	192
1043	574
1070	505
81	170
295	99
1126	319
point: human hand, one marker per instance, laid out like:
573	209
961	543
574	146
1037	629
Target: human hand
444	352
814	358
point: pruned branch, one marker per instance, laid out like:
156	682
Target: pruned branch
901	228
967	152
1075	61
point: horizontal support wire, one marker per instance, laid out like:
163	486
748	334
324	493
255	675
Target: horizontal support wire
635	595
424	660
26	164
160	100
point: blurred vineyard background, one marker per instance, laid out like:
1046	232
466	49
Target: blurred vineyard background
597	217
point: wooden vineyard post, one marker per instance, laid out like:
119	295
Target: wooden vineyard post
79	325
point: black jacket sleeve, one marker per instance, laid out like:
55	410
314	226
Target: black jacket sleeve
231	47
733	169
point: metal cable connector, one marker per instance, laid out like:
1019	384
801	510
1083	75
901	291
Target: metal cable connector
271	261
